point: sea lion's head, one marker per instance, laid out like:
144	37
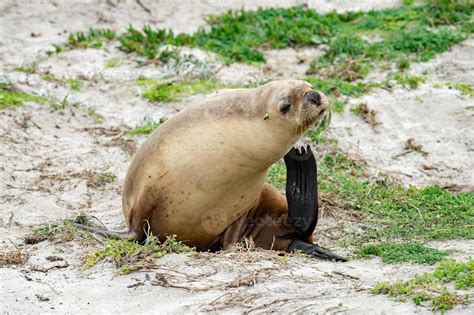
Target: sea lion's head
293	104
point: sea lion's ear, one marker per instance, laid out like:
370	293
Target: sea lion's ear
301	190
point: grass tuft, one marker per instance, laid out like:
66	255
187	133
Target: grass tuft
75	84
409	81
431	286
159	91
408	252
124	252
99	179
13	257
11	97
464	88
148	127
94	38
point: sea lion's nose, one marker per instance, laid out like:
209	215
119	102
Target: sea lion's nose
314	97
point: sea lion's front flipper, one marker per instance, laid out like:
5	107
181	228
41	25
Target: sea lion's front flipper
314	250
301	190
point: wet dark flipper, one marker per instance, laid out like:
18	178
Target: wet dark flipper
314	251
301	190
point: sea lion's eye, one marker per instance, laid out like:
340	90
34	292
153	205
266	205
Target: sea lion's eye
285	108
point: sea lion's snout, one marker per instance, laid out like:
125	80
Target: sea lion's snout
313	108
313	97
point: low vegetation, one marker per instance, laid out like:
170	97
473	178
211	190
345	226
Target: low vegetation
62	230
128	255
335	88
406	252
11	97
99	179
394	213
13	257
464	88
406	33
148	127
75	84
94	38
163	91
357	43
124	253
415	32
406	80
433	286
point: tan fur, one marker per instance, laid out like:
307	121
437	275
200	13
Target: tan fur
205	168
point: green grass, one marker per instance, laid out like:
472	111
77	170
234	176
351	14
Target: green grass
48	77
112	63
42	298
464	88
94	38
317	133
407	252
411	32
75	84
336	87
393	213
159	91
432	286
147	128
10	97
28	68
125	253
99	179
277	176
418	43
128	255
61	231
409	81
409	214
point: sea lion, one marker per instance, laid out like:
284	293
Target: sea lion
201	175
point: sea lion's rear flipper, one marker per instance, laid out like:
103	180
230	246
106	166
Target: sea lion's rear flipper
130	236
314	251
301	190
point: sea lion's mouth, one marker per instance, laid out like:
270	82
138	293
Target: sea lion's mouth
309	119
314	109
